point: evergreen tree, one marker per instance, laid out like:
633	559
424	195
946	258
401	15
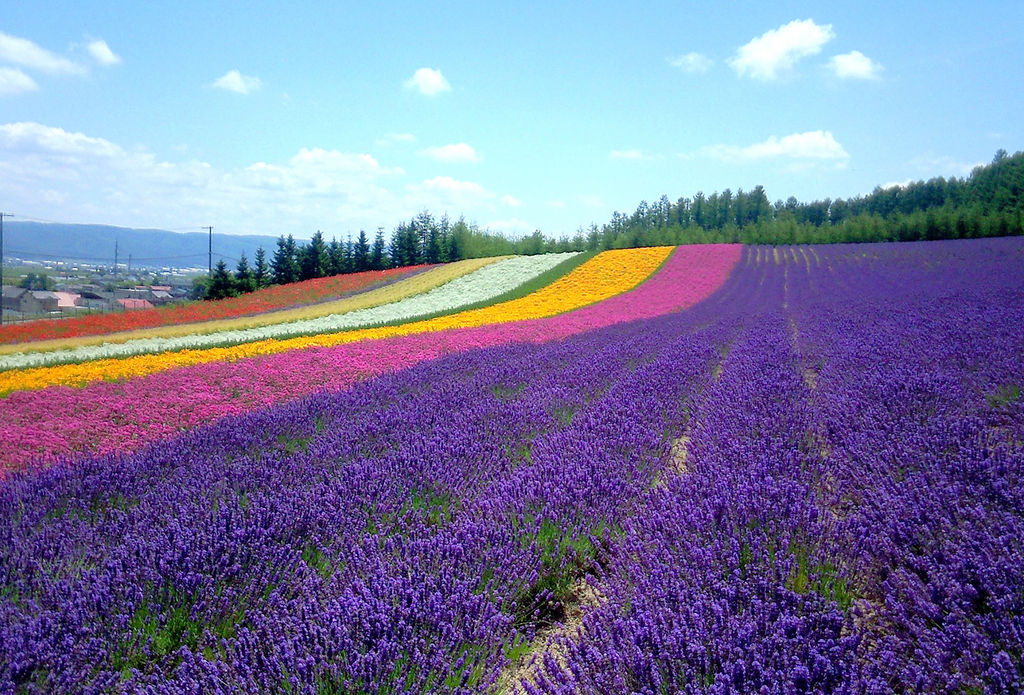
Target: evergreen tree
423	225
336	256
377	257
361	253
405	247
283	266
432	251
444	231
347	254
245	281
394	247
293	256
261	271
221	284
313	259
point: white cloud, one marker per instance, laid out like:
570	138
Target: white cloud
778	50
812	145
88	179
452	191
33	137
234	81
428	81
511	227
454	153
896	184
75	177
14	81
321	163
930	166
590	201
396	139
854	65
943	165
102	54
692	63
31	56
626	154
632	155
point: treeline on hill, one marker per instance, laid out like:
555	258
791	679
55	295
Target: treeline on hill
990	202
422	240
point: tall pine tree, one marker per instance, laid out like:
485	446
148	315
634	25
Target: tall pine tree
283	266
313	259
244	278
221	284
337	257
261	271
377	254
361	253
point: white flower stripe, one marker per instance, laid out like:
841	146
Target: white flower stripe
482	285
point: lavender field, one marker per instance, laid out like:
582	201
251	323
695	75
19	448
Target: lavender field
811	482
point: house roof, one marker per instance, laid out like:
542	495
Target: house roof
14	292
135	303
66	300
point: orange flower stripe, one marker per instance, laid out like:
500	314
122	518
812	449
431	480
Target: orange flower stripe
606	275
423	281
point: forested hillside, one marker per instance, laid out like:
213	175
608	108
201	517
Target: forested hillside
988	203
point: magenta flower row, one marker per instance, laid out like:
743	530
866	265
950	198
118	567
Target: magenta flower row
123	416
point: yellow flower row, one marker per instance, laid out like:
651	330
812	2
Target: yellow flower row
606	275
417	284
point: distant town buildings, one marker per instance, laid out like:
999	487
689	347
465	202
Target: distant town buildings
29	301
22	304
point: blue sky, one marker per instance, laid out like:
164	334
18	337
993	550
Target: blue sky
271	118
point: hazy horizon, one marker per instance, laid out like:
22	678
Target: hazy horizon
300	118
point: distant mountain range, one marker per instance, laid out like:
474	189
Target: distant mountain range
149	248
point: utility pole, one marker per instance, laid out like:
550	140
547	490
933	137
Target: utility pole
115	262
210	230
2	266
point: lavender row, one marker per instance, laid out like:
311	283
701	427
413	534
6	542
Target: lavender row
409	535
850	517
808	483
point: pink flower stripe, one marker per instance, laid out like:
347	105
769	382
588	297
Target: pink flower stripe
274	298
122	416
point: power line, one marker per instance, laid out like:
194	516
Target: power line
211	250
2	215
103	259
106	259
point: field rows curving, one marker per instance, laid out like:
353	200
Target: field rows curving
850	515
784	472
420	280
269	299
105	416
487	283
604	276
